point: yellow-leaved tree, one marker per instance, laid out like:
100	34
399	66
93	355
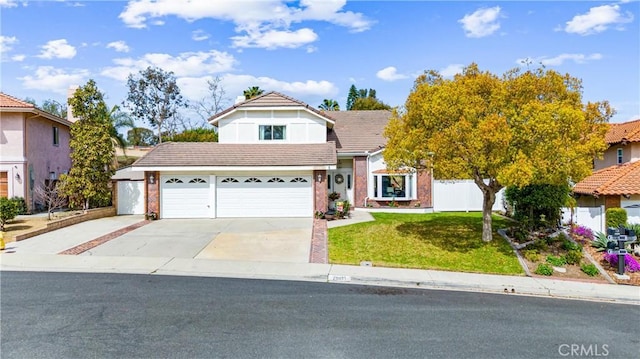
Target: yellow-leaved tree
525	127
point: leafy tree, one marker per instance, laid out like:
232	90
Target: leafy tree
92	150
154	96
118	120
214	102
369	103
329	105
55	108
538	204
8	211
251	92
352	96
30	100
524	128
49	193
196	135
139	136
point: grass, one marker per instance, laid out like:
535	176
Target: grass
447	241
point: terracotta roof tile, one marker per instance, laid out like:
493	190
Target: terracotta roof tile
359	131
219	154
615	180
627	131
10	101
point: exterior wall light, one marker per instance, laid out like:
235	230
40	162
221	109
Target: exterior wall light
152	179
319	178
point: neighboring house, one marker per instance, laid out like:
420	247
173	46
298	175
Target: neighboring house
35	148
278	157
616	180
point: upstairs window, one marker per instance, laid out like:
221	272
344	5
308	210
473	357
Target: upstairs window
271	132
56	136
619	156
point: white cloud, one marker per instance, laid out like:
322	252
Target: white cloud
8	3
560	59
119	46
18	58
481	23
273	39
185	64
451	70
390	73
53	79
6	43
199	35
259	23
59	49
598	19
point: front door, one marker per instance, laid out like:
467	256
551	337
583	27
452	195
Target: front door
341	181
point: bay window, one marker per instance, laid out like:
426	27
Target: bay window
393	186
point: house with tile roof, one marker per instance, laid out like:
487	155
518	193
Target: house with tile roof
34	146
278	157
616	179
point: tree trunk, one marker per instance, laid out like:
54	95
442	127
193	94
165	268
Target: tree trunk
489	198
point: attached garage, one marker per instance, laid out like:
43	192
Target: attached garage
186	196
264	196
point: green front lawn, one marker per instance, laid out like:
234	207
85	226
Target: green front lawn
447	241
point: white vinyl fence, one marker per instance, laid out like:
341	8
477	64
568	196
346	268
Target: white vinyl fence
591	217
461	195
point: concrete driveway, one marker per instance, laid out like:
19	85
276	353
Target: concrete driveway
255	239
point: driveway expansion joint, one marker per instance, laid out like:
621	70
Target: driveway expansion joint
86	246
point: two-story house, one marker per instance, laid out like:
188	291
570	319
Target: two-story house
616	179
279	157
34	147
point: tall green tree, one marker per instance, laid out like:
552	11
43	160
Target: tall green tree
154	96
55	108
251	92
352	96
526	127
196	135
92	150
369	103
329	105
139	136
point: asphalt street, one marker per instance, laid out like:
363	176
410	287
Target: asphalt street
64	315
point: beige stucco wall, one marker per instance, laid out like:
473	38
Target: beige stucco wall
42	155
630	153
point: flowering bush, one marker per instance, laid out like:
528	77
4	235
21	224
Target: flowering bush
630	264
334	196
582	232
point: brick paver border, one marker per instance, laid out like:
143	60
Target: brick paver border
319	253
81	248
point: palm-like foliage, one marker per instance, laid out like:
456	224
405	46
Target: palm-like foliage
329	105
252	92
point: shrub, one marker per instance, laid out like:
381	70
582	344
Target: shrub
630	264
556	261
616	217
531	255
589	269
539	245
540	204
8	211
21	205
574	256
544	269
567	245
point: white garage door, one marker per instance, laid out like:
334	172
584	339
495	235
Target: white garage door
264	196
185	196
130	197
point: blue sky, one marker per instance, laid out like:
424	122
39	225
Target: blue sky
312	50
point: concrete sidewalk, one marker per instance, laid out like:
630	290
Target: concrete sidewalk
407	278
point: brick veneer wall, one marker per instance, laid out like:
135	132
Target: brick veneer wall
612	202
320	195
359	180
152	203
68	221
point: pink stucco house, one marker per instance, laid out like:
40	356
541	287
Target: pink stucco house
34	145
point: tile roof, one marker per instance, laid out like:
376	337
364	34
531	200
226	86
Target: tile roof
627	131
10	101
359	131
615	180
270	99
223	154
